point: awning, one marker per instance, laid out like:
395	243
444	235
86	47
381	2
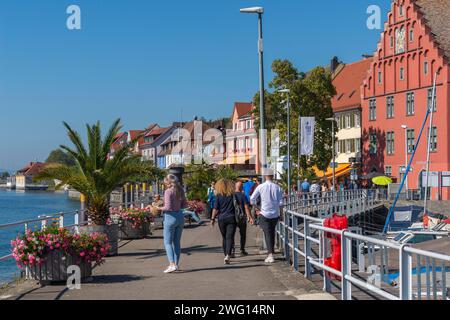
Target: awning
237	159
341	170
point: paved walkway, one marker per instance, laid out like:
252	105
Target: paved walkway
137	274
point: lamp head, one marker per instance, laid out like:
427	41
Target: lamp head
259	10
284	91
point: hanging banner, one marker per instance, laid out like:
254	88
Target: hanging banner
307	135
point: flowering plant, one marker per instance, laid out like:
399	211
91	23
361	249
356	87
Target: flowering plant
137	217
196	206
32	248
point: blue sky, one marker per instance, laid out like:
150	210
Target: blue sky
144	60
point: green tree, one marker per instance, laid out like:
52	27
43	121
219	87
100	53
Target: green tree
94	174
4	175
310	96
198	179
60	157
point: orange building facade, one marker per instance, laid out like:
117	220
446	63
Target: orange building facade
397	91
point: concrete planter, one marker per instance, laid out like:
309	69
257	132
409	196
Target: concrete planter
111	231
128	232
54	269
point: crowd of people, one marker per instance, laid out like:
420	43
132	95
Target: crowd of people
234	205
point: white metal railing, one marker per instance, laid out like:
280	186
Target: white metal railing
44	221
367	262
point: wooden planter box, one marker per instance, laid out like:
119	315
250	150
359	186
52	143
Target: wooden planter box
127	232
111	231
54	269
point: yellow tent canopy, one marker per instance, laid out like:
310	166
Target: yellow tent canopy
341	170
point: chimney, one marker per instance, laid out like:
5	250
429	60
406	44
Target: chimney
334	64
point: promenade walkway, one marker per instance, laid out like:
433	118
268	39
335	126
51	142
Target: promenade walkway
137	274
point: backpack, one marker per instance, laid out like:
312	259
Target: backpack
240	215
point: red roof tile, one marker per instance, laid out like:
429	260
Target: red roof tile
348	85
243	109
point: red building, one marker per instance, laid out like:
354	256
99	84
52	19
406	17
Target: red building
414	45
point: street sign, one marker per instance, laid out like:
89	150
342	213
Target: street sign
334	165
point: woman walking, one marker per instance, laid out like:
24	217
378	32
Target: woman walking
225	212
174	203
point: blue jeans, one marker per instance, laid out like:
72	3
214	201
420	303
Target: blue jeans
173	229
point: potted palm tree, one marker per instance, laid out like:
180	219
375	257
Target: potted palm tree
96	175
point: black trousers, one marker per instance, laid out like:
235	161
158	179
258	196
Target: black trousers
228	230
243	234
269	227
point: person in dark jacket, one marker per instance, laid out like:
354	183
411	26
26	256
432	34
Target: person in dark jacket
226	215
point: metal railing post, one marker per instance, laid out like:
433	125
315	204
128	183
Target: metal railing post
286	236
307	248
346	266
405	260
295	242
61	220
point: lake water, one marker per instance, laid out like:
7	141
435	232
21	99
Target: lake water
18	206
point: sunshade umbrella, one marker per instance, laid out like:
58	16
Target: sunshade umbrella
382	181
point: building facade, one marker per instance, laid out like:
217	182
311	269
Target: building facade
347	79
397	91
242	140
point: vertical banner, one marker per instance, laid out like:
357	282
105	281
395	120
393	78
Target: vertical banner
307	135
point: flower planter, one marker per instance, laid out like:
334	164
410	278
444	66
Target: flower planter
54	268
111	231
128	232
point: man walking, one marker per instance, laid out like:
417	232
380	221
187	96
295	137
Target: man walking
271	197
242	224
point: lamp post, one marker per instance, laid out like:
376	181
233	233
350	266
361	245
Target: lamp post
287	91
263	143
333	120
405	128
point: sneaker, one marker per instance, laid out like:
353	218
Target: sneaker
226	260
244	253
269	259
171	269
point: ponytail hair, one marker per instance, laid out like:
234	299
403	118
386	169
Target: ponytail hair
174	182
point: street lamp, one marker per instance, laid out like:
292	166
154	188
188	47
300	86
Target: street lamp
405	128
260	11
287	91
333	120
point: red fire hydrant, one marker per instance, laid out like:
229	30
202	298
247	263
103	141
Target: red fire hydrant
334	259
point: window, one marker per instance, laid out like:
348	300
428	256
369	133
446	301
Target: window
357	120
410	103
388	171
411	35
249	125
380	77
352	120
402	73
425	67
341	146
433	141
390	137
373	146
400	10
392	42
358	145
347	121
410	140
235	127
430	99
372	109
390	107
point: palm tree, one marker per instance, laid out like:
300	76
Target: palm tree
94	174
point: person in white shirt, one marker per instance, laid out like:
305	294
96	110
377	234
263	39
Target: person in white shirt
271	196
